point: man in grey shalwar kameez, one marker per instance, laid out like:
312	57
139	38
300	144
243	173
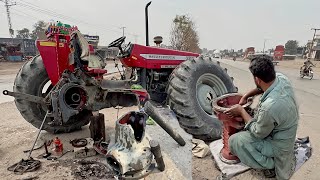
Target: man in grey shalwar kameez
268	139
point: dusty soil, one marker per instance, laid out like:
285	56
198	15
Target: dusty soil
297	63
18	135
7	68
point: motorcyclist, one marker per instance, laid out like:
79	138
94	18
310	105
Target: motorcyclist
307	64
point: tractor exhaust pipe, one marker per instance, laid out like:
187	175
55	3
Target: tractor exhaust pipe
147	23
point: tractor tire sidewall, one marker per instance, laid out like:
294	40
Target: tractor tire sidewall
30	79
208	68
182	97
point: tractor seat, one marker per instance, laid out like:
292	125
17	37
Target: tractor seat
83	43
87	57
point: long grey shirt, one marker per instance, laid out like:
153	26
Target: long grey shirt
276	121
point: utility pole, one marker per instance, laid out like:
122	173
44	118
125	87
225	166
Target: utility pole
264	45
122	30
8	5
314	35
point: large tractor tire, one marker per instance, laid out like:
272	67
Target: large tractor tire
32	79
193	85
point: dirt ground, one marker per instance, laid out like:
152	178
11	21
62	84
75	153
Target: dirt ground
7	68
18	135
297	63
15	140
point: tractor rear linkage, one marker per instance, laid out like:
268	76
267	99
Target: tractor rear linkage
27	97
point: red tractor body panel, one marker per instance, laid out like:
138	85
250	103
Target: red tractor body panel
156	58
55	55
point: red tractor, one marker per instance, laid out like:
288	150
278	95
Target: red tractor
61	84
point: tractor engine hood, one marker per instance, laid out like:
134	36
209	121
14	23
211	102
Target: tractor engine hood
155	57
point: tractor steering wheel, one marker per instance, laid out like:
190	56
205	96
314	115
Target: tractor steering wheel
117	42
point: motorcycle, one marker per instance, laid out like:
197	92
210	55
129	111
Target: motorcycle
306	72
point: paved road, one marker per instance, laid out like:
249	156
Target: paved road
308	97
6	82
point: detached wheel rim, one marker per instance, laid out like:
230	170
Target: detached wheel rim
209	87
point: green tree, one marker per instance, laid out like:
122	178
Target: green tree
38	27
291	47
23	33
184	36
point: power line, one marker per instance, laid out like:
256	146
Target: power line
54	12
63	18
47	12
26	14
8	5
27	18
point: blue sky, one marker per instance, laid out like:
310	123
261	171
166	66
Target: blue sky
221	24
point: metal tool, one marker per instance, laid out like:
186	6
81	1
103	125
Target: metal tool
47	153
156	151
55	158
44	119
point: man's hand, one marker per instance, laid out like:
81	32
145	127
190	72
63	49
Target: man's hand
249	96
235	111
243	100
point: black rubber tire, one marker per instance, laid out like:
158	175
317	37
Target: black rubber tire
183	101
30	79
158	97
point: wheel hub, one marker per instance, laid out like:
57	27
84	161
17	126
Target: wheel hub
209	87
205	96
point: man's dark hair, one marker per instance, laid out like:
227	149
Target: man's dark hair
263	68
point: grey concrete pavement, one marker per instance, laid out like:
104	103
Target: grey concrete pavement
308	97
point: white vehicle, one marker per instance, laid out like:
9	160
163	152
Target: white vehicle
216	54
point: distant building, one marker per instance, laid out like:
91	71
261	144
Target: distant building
94	40
28	47
315	48
107	53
